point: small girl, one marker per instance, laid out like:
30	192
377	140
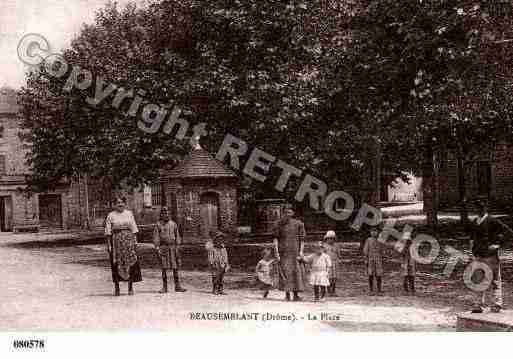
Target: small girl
408	267
218	261
320	264
329	246
265	271
372	251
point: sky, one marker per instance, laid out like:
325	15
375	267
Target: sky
59	21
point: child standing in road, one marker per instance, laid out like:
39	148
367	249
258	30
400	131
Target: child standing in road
373	254
331	250
218	261
320	265
265	271
408	267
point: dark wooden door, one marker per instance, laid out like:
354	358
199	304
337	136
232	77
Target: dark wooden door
50	211
209	204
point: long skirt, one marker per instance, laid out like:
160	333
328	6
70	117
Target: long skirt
123	257
292	274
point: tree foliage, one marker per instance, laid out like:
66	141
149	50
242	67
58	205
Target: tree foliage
326	86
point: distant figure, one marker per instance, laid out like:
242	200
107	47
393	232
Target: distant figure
373	253
218	262
320	266
121	230
485	246
167	240
289	242
408	267
265	271
331	250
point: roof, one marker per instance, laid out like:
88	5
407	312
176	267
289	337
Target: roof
200	164
8	101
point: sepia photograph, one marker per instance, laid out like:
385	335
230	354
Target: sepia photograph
247	167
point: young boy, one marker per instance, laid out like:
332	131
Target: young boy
166	239
218	261
408	268
372	251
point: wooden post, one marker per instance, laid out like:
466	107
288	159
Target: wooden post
86	191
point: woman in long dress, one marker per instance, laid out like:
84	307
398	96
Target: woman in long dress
121	230
289	241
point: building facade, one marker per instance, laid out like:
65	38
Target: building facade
488	176
18	210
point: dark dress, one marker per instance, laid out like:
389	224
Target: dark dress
290	235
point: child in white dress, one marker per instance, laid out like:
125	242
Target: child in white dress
331	250
320	265
265	270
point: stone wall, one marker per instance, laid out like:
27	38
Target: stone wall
183	198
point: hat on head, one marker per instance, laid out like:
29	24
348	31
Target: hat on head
330	234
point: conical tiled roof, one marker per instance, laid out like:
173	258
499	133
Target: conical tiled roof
200	164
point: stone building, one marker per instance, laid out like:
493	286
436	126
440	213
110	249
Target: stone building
202	195
488	176
18	210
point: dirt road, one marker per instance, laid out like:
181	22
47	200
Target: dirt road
57	289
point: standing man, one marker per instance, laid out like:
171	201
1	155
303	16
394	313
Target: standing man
289	242
485	246
166	239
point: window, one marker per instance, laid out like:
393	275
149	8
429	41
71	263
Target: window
3	168
156	194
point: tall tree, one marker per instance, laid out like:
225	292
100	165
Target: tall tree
423	69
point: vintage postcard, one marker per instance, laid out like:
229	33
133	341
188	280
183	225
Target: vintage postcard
255	166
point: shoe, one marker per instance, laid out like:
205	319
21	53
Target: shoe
266	294
477	310
131	292
297	299
221	292
116	293
180	289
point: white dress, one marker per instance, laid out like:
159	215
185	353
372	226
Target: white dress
264	271
320	265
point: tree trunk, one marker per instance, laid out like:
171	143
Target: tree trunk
462	190
429	186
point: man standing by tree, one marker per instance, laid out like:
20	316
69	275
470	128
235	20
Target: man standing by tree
485	247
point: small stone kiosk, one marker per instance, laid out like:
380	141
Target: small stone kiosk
201	194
